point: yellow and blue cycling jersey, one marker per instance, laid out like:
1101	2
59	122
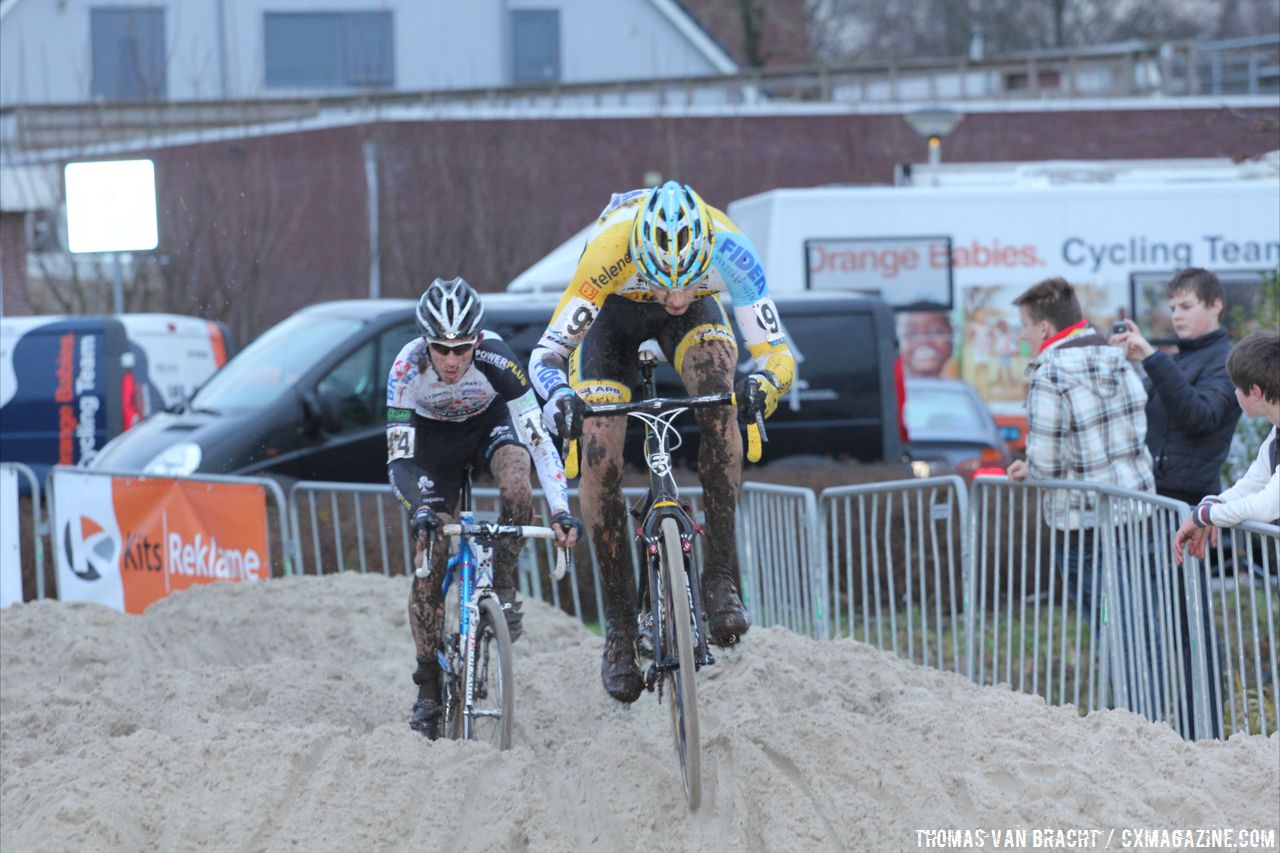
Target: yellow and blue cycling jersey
606	269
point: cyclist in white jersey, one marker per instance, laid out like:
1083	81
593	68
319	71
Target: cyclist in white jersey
457	395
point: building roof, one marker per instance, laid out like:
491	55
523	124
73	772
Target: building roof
698	37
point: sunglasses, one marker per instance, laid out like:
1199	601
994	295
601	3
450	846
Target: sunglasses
460	348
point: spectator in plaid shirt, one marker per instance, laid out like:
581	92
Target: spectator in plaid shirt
1086	420
1086	408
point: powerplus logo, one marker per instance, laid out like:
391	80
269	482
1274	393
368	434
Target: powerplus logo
90	549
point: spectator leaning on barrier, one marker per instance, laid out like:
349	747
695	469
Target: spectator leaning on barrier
1254	368
1086	415
1085	421
1191	409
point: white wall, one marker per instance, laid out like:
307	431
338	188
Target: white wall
439	44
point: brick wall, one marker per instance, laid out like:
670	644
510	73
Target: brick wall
256	228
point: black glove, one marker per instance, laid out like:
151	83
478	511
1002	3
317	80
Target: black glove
757	394
425	521
568	523
564	412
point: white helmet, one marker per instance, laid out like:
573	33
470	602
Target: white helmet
449	310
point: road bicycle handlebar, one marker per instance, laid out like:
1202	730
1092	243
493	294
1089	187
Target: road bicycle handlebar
486	531
756	435
656	405
492	530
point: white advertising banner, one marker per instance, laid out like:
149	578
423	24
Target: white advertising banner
10	541
86	539
902	271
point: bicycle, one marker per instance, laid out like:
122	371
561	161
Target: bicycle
670	595
477	692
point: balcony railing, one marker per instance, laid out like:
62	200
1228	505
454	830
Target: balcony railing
1249	66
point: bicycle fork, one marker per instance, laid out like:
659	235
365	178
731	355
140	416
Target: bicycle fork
652	614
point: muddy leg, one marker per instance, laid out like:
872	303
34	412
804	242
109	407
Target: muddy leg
605	514
708	369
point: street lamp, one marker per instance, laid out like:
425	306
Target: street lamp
933	123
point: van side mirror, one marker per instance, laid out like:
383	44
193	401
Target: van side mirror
320	413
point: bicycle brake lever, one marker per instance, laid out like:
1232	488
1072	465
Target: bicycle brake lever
425	569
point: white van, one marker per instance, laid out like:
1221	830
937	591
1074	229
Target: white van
68	384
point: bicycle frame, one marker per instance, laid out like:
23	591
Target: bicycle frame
472	569
473	566
663	501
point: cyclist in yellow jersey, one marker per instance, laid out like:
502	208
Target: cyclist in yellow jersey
655	267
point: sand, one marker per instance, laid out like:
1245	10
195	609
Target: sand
274	717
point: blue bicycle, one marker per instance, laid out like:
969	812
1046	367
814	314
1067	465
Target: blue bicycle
477	687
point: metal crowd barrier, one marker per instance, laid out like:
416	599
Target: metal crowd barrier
361	527
1242	571
1099	615
780	559
895	552
36	524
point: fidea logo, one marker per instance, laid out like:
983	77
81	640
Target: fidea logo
90	549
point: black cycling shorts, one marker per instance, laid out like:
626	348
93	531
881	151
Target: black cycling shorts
443	448
603	368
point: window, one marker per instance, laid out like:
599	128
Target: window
269	366
328	50
353	392
128	53
389	346
535	45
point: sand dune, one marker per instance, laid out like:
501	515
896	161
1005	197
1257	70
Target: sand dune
274	716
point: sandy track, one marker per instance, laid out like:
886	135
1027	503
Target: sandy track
273	716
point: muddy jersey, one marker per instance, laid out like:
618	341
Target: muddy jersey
606	269
416	395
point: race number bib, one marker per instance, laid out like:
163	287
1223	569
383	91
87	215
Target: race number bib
400	442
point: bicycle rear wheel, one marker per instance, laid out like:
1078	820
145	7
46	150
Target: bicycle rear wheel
683	682
491	717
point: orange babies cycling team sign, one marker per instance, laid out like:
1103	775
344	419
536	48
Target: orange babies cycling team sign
126	542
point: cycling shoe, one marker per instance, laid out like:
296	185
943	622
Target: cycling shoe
727	619
511	609
426	718
620	666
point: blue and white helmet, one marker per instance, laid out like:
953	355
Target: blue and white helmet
449	310
671	237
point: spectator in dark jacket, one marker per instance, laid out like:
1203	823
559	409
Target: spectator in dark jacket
1191	404
1191	416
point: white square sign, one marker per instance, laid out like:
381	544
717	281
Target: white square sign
111	206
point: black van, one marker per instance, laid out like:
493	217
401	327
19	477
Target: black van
307	398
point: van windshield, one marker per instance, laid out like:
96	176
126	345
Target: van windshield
261	372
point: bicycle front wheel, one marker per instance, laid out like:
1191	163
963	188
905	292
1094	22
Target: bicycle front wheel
682	683
491	715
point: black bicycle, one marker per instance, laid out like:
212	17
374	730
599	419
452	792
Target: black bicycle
670	595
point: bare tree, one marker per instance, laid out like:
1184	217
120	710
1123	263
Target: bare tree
884	29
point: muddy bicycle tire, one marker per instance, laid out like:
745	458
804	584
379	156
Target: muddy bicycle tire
682	683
